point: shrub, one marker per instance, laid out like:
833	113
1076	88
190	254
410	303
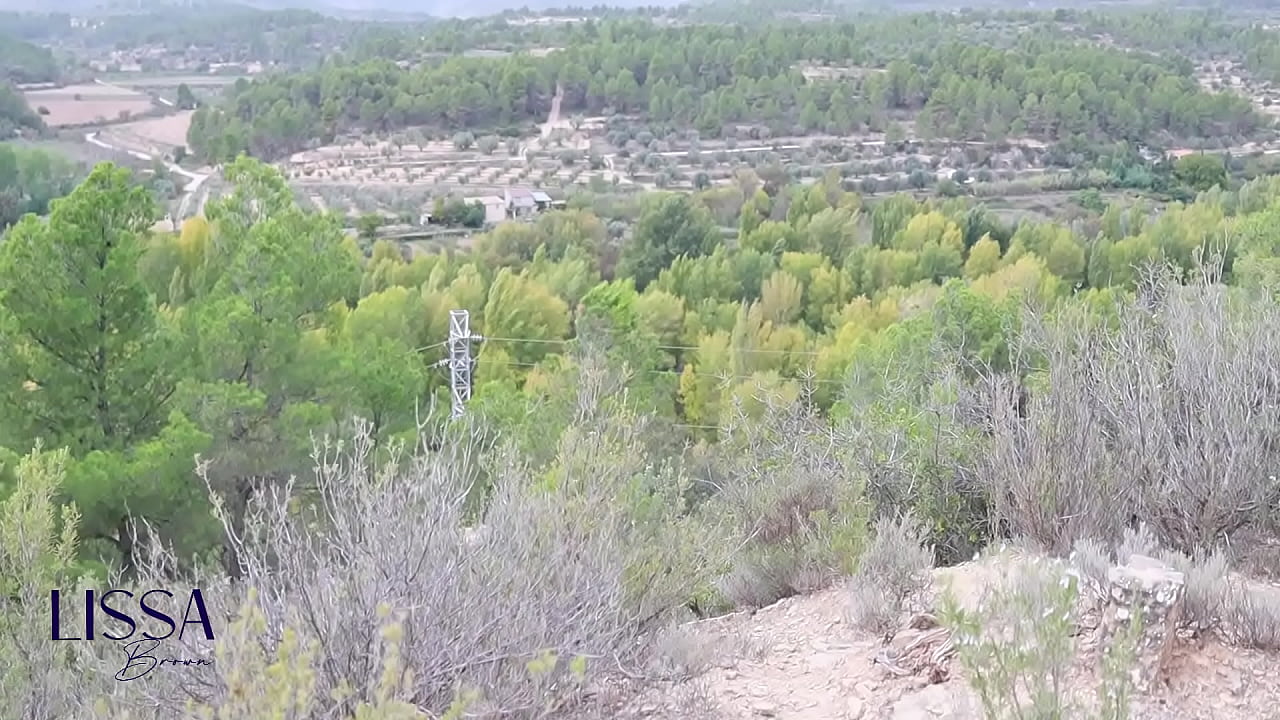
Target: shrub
1204	575
1206	587
1126	425
1252	616
1017	647
793	500
37	552
582	558
894	567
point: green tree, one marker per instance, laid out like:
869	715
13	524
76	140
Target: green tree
77	322
90	364
670	226
186	100
367	226
1201	171
984	258
272	277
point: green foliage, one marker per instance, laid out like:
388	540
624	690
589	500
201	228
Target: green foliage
23	62
367	226
1045	84
83	329
1017	646
30	179
38	551
1201	171
15	115
262	326
670	226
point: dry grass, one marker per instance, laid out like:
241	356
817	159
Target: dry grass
97	104
170	131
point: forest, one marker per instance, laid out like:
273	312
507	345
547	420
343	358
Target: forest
1042	84
253	334
30	179
252	329
22	62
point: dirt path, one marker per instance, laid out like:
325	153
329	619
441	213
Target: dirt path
554	123
194	180
801	660
811	666
553	118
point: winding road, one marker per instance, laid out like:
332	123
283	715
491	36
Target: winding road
195	180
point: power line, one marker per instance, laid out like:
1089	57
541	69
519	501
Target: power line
488	338
461	363
677	373
767	351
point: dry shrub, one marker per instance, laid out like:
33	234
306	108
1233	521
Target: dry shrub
574	572
1246	613
683	652
1137	542
895	566
1213	599
793	500
1206	585
1169	417
1092	560
1204	573
1252	616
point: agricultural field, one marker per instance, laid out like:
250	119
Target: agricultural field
619	153
141	80
205	87
153	136
87	104
1226	75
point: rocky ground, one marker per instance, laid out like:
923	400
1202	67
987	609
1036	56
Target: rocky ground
800	659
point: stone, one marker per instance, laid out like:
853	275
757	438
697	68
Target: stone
854	709
765	709
1147	586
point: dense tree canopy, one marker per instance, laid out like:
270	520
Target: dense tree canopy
22	62
248	331
679	402
1040	83
29	179
15	114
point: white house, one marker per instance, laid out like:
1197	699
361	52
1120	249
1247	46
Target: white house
495	208
520	202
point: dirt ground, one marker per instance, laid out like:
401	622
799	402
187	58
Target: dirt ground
157	135
96	103
801	660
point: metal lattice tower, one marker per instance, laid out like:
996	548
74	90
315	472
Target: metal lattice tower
460	363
